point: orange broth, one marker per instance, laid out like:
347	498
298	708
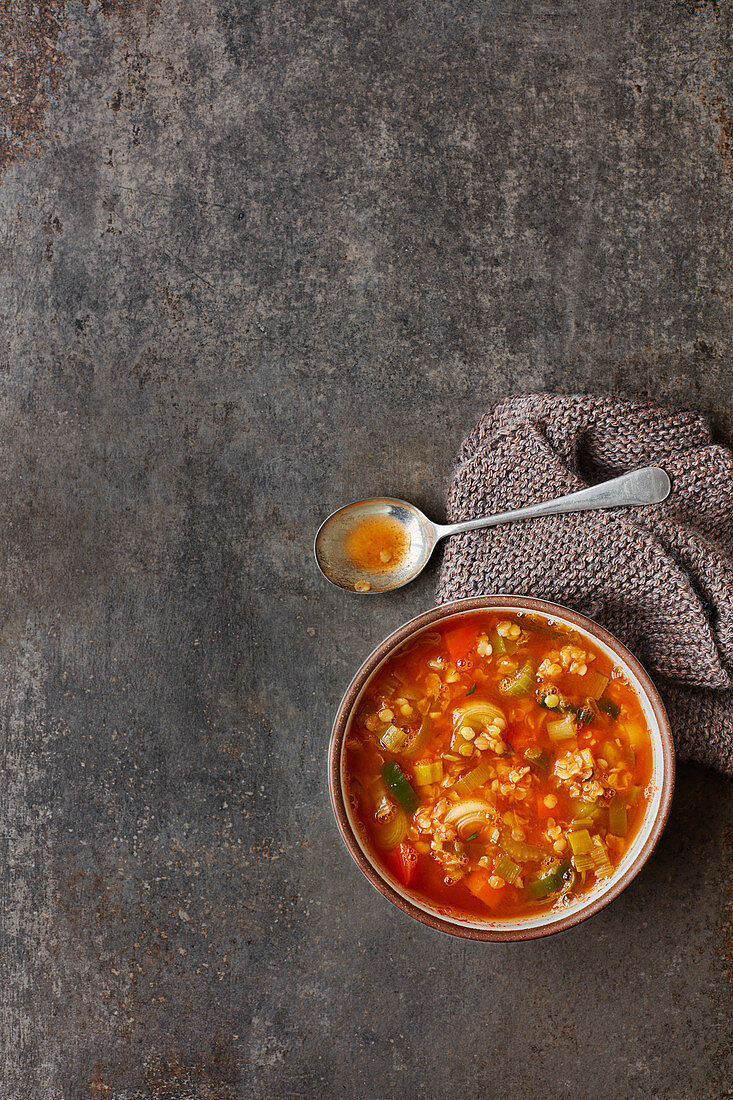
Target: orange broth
377	544
499	766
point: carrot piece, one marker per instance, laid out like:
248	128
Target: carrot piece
402	861
492	898
459	640
478	883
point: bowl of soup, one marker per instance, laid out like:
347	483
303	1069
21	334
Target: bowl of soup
501	768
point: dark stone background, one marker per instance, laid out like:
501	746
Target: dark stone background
259	259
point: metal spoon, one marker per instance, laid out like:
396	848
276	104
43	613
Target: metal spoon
411	536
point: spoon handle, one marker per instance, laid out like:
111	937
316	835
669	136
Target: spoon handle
648	486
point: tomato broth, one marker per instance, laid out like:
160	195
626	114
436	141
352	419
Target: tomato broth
499	766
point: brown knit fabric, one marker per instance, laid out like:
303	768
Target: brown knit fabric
660	578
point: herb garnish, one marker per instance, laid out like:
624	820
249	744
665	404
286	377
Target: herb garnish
471	691
471	837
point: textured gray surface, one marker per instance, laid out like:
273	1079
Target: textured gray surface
257	260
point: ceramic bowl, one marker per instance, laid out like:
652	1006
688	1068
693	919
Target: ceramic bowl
542	924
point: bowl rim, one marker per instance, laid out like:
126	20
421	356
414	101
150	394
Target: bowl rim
466	605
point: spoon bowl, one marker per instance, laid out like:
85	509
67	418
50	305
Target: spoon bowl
349	543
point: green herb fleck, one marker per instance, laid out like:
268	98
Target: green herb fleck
473	835
471	691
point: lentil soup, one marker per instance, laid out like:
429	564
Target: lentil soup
499	766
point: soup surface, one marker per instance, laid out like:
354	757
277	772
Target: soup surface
500	765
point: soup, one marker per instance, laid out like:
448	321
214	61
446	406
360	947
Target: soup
499	766
377	544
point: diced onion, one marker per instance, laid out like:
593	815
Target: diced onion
601	862
393	738
478	715
469	816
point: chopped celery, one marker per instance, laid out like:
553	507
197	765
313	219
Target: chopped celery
585	715
507	869
582	863
428	771
580	842
388	834
601	862
617	823
632	796
596	684
473	779
522	683
517	849
538	760
393	738
609	707
562	730
400	786
549	882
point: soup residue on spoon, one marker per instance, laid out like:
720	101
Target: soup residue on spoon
377	544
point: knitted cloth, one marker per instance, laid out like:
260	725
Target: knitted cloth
660	577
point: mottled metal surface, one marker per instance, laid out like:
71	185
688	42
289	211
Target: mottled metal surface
258	260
